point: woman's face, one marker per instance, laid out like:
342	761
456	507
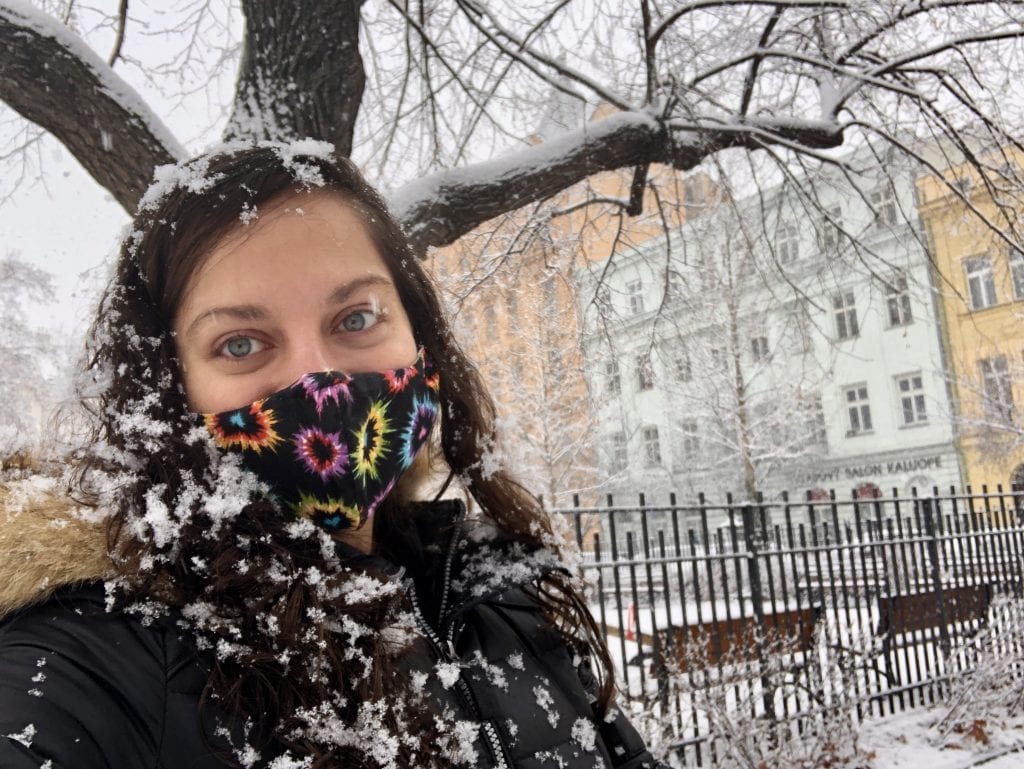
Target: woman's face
302	288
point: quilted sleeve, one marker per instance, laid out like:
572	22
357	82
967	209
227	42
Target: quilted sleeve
78	690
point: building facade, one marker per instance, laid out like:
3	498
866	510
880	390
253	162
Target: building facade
980	285
773	345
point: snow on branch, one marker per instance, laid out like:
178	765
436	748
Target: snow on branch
438	209
52	77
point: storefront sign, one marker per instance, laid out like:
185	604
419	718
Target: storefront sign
871	470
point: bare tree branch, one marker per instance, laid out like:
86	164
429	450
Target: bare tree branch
51	77
122	22
442	207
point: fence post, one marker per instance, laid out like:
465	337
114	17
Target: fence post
757	603
935	573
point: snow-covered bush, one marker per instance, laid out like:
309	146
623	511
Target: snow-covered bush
992	691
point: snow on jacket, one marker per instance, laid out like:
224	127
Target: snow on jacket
84	688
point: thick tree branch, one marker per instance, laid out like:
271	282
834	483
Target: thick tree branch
298	78
51	77
442	207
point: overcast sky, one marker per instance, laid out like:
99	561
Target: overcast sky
63	221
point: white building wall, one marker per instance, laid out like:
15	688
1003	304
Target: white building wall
890	455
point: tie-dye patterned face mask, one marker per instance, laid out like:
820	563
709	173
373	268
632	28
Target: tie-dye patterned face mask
333	445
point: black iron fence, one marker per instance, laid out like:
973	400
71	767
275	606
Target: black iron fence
786	610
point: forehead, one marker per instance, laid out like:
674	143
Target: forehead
295	242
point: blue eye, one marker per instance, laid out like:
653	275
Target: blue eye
360	320
240	347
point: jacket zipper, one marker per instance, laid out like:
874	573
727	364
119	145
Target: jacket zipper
447	653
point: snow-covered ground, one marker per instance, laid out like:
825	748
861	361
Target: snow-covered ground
912	740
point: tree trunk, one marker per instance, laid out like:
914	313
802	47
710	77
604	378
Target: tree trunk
301	73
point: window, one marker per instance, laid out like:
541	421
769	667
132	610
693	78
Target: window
980	285
491	319
1017	272
636	298
719	360
603	299
682	365
689	444
644	371
788	244
963	185
619	453
910	391
858	409
897	299
814	422
759	347
997	388
693	190
674	286
883	203
652	447
846	315
829	227
612	380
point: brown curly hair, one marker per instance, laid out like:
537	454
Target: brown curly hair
273	670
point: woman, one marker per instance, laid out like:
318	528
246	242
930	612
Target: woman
257	578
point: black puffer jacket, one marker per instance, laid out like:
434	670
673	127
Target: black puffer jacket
81	688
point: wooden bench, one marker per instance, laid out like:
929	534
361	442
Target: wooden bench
738	639
927	610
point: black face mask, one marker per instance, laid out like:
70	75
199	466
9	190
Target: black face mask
332	446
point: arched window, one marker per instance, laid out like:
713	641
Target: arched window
818	495
868	491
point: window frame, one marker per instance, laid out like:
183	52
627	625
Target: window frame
612	377
912	395
858	410
986	282
682	363
644	363
829	227
844	313
619	454
883	205
899	310
689	440
1015	260
651	438
1001	408
635	294
787	243
759	348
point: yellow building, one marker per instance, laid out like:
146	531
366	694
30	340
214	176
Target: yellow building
979	278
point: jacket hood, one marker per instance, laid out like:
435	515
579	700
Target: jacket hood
46	543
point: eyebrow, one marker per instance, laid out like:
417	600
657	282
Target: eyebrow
255	312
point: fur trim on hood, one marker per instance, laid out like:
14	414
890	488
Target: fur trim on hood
46	542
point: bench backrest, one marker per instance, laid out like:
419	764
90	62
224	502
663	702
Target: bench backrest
739	639
921	611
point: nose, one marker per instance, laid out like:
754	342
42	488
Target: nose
302	358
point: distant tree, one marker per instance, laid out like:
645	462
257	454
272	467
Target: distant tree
519	319
24	350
